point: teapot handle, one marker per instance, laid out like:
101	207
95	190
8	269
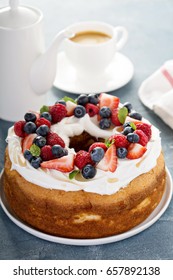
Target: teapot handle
13	4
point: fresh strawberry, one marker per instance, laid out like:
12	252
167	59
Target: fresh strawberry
143	139
146	128
129	119
46	153
109	162
58	112
54	139
82	158
70	106
114	117
18	128
98	144
135	151
109	101
63	164
41	121
91	109
119	140
28	141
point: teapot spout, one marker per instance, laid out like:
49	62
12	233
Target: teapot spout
43	70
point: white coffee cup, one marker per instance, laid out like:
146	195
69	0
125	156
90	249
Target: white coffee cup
93	59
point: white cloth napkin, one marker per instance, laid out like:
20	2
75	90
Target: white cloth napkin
156	92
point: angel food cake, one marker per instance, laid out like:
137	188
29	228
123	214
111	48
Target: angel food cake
85	168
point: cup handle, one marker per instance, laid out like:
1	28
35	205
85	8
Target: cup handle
122	32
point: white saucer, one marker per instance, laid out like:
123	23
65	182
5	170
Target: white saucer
155	215
118	73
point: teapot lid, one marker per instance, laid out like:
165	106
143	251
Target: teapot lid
15	16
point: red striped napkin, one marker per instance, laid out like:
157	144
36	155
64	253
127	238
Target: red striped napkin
156	92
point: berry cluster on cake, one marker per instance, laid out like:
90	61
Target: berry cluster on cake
84	168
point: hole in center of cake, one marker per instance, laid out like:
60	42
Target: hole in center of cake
83	141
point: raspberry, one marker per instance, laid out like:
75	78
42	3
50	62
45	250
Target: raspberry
97	144
91	109
46	153
82	158
146	128
114	117
58	112
143	138
53	139
18	128
120	140
42	121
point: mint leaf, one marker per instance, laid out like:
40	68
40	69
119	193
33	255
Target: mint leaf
133	125
35	150
108	143
66	98
73	174
44	109
122	114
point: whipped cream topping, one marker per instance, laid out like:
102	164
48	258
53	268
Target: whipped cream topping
104	183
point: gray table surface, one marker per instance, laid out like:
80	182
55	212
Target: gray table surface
150	44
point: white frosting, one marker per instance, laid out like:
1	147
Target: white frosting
104	182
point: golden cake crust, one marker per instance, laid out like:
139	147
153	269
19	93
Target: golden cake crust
82	214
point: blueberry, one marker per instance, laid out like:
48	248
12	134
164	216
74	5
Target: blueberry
30	127
133	138
61	102
127	130
30	117
42	130
89	171
79	111
40	141
46	116
128	105
105	112
105	123
126	124
27	155
35	162
82	99
97	95
97	154
58	151
136	116
93	99
121	152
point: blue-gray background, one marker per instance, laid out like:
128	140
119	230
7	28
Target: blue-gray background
150	26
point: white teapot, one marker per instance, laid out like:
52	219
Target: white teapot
26	70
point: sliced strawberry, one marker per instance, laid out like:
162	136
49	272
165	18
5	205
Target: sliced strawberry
70	106
108	100
135	151
143	138
63	164
28	141
109	162
98	144
129	119
146	128
114	117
